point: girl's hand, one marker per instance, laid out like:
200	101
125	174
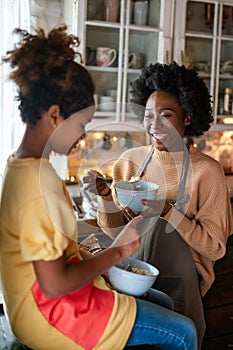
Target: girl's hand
85	254
96	183
128	241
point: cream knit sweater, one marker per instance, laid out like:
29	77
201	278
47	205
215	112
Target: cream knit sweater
207	221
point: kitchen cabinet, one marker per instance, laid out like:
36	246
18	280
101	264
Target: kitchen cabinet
203	38
151	42
194	33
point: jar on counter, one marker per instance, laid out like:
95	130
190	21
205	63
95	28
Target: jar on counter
227	104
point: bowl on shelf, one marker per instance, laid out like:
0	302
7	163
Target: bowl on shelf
107	104
132	276
227	67
130	194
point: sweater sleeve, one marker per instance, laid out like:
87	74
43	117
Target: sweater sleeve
109	217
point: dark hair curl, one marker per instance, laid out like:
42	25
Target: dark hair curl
185	84
46	73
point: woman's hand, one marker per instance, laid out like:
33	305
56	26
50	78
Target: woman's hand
156	207
96	183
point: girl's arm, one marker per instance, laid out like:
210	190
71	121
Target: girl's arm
58	277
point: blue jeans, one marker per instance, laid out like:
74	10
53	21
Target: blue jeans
156	324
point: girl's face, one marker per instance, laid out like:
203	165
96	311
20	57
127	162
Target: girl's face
165	121
70	131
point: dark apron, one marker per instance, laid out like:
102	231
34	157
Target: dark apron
163	247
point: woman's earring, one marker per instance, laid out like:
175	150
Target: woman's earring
187	120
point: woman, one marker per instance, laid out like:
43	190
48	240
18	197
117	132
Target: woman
192	203
55	298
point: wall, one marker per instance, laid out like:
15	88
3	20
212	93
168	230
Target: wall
218	145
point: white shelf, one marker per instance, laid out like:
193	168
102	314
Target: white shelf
102	69
221	127
103	24
110	124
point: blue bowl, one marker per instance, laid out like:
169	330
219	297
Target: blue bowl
130	282
130	194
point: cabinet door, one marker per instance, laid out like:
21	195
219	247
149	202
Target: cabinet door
136	42
103	38
203	39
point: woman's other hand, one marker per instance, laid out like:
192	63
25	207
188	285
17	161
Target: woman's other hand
156	208
96	183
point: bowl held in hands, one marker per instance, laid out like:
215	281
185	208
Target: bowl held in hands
133	283
130	194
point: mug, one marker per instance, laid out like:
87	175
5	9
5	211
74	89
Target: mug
105	56
136	60
140	12
111	10
90	56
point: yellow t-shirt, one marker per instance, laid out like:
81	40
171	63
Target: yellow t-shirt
37	223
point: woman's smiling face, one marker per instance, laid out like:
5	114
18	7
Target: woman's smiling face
165	121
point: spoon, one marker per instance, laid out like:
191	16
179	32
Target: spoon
128	267
142	167
134	179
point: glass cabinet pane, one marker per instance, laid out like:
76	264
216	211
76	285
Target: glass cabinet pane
208	47
227	20
200	17
147	46
200	52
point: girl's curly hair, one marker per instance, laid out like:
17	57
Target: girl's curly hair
45	71
184	83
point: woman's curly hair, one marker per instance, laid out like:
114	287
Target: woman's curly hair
45	71
184	83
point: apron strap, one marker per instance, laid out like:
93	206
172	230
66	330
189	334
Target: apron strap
181	198
145	162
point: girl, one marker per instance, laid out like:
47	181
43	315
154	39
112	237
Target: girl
54	298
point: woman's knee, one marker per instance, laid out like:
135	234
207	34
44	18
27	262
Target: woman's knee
157	297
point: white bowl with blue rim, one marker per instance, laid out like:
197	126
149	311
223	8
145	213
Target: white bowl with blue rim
124	280
130	194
